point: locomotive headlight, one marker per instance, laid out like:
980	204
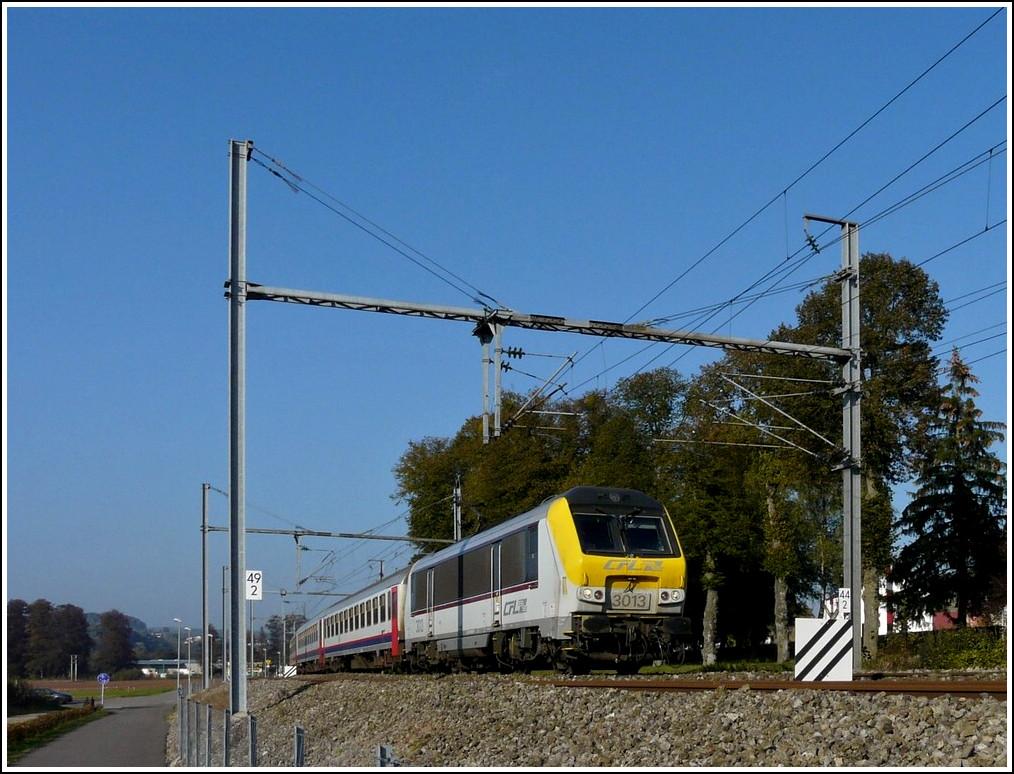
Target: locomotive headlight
671	596
588	594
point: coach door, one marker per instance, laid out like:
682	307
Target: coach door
429	602
494	581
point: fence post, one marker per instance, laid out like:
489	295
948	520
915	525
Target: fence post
207	736
179	723
197	733
226	728
385	756
300	747
253	741
185	741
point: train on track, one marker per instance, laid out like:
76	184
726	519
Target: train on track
591	578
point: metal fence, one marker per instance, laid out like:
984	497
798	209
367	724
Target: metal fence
207	737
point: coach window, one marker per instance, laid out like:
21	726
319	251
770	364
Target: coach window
512	560
446	581
475	573
532	553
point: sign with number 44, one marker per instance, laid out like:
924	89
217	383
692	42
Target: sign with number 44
844	601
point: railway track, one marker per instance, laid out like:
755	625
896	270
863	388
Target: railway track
969	689
897	684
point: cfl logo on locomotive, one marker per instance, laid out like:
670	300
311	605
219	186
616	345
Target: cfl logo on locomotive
633	565
516	607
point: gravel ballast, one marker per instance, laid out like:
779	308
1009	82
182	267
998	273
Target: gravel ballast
486	721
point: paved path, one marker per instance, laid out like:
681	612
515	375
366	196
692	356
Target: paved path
132	736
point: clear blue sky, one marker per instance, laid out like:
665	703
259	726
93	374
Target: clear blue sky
619	164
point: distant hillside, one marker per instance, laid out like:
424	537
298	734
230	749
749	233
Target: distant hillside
136	624
139	627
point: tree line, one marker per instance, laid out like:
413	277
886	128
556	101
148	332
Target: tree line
43	640
746	455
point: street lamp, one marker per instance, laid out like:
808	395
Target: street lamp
179	623
188	659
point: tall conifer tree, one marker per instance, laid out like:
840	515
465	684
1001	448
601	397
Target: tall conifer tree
956	524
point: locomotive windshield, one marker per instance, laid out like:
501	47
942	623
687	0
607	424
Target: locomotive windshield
624	533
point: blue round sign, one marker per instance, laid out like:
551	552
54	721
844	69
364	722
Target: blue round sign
103	678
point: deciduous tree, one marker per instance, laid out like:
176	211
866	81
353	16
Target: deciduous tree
114	651
44	656
16	637
72	625
901	315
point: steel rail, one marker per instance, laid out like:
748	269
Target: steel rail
969	689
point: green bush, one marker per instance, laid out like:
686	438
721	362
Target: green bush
982	647
29	729
18	693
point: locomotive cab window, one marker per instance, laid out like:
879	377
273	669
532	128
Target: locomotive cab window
602	533
645	535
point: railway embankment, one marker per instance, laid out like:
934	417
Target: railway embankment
487	721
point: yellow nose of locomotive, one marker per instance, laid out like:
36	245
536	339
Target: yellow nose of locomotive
621	559
632	585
